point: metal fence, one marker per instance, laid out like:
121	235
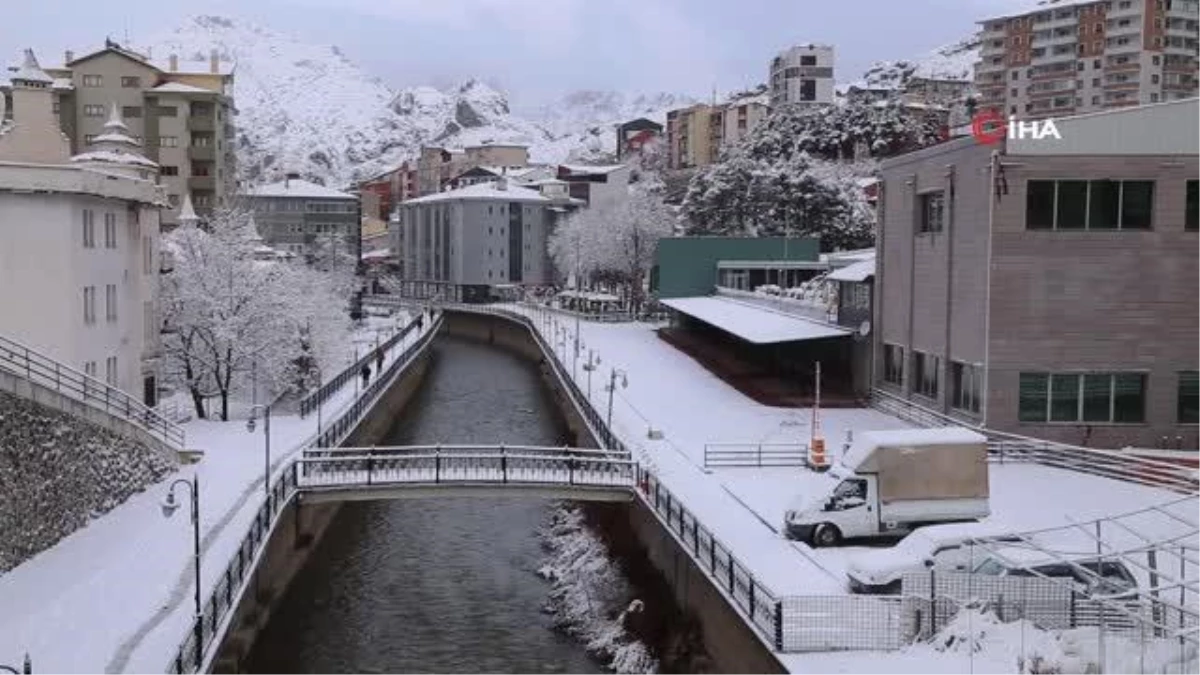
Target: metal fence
310	403
1006	447
758	455
44	371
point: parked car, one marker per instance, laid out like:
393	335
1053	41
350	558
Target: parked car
944	547
1090	575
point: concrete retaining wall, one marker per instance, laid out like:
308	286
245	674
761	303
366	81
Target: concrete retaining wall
300	527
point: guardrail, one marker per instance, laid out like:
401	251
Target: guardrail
719	455
44	371
1007	447
310	403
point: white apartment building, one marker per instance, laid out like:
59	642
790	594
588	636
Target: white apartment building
79	249
1063	57
802	74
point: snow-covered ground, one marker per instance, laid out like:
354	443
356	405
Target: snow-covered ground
115	596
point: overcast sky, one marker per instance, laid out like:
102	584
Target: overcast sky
538	50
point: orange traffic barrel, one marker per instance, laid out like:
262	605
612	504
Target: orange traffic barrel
817	454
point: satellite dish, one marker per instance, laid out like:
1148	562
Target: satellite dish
864	328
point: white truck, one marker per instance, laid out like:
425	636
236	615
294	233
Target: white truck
890	482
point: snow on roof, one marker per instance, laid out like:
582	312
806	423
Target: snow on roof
753	323
585	169
113	157
867	442
196	67
1022	7
376	255
488	190
63	83
300	188
119	138
30	71
859	271
181	88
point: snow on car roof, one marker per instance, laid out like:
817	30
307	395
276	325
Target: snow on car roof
867	442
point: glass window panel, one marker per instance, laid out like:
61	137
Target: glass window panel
1189	397
1072	204
1105	200
1032	407
1137	204
1064	398
1129	397
1097	391
1039	205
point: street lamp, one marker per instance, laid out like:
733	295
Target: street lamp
590	366
612	386
169	506
266	409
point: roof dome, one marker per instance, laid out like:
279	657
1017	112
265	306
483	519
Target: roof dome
115	147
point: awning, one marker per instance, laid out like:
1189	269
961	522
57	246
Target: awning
859	271
753	323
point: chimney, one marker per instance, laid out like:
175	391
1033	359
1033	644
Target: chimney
502	183
289	177
212	62
70	56
173	62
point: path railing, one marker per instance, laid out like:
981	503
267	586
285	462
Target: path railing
310	403
1007	447
46	372
723	455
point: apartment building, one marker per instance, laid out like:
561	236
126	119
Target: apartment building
696	135
456	244
591	184
306	219
1048	290
636	134
1070	56
437	167
802	74
79	250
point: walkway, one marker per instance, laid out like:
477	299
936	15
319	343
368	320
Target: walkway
115	595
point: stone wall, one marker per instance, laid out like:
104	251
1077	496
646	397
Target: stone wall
58	472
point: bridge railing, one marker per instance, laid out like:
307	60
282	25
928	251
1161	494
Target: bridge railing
46	372
471	465
310	403
1008	447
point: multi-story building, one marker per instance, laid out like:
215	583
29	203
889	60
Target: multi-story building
79	246
307	219
1070	56
593	184
456	244
1048	287
180	111
802	74
633	135
392	187
438	167
696	135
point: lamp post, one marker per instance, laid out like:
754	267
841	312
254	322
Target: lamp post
590	367
266	410
612	386
169	506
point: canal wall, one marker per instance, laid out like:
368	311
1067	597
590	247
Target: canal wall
299	527
731	644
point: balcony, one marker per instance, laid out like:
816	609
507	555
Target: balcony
1114	30
201	153
202	183
201	123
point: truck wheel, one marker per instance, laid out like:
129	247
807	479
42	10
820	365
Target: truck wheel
826	534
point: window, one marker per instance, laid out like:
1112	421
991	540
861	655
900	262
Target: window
1016	74
110	230
1191	217
110	303
131	82
1093	205
966	381
1189	398
925	374
173	200
131	111
168	141
89	228
89	368
110	371
1082	397
201	140
168	170
808	60
93	81
147	255
893	364
933	206
167	111
93	110
89	305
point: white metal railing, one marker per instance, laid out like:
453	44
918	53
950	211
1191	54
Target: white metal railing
717	455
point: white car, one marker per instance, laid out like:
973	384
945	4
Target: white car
1089	574
945	547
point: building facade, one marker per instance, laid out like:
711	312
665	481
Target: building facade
307	219
79	250
457	244
438	167
1049	290
696	135
181	112
593	184
802	75
636	134
1067	57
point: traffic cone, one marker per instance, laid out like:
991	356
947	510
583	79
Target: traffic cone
817	455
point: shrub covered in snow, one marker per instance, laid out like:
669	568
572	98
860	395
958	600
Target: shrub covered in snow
57	472
590	598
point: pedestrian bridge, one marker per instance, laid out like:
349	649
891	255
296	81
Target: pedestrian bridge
420	471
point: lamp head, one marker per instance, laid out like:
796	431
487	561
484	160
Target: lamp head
169	504
250	423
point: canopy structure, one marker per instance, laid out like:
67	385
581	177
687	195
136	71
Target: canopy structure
753	323
859	271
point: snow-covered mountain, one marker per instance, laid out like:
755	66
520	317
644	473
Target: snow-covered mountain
307	108
951	62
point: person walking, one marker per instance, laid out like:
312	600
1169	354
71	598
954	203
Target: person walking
366	374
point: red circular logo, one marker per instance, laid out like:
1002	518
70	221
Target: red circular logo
989	127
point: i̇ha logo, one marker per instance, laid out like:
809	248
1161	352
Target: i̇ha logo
989	127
